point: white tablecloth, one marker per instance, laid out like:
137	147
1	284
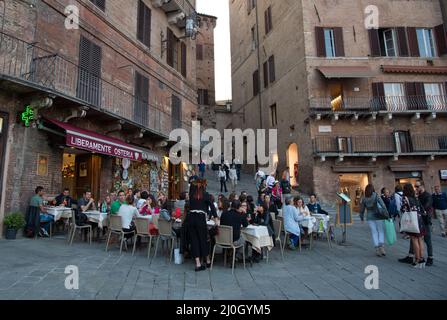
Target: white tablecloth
97	217
59	212
259	237
322	222
308	222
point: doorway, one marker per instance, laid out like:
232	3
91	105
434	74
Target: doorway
3	141
353	185
292	163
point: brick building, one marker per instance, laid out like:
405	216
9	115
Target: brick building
205	71
106	81
352	105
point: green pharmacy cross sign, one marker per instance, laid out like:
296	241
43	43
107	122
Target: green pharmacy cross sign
27	116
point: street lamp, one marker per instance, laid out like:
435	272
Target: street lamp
192	26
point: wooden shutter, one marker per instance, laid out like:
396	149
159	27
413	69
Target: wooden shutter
101	4
272	69
266	21
420	96
199	52
339	44
140	21
266	74
402	43
321	46
183	54
147	26
413	42
374	42
440	36
206	98
170	48
256	83
89	82
410	95
269	14
176	112
141	108
379	102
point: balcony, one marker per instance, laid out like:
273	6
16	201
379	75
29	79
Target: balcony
355	108
176	10
379	146
31	68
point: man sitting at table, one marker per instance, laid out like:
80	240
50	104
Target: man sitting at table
117	204
235	217
45	218
291	222
128	212
65	199
314	206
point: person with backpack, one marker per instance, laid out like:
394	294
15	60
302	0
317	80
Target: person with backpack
376	216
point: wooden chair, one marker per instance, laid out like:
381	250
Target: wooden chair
142	225
287	238
165	230
116	227
224	239
74	227
277	226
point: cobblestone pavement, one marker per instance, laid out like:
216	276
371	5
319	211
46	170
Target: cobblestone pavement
34	269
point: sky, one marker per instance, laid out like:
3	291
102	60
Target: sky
222	53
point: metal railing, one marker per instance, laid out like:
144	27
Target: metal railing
377	144
374	104
30	65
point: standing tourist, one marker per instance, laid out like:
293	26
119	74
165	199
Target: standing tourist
426	201
233	178
376	223
223	179
440	206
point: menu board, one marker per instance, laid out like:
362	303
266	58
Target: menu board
164	181
154	181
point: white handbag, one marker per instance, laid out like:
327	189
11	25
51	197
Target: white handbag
178	257
409	222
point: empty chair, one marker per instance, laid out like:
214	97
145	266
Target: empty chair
277	226
116	227
224	239
74	227
142	225
165	230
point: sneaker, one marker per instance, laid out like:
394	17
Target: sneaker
382	251
44	233
378	253
429	262
407	259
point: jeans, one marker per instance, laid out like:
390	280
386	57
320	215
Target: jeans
223	184
441	215
377	228
46	219
294	239
427	240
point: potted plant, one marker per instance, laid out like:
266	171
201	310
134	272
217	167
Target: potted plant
13	222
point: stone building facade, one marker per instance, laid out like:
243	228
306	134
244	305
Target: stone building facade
353	105
118	74
206	92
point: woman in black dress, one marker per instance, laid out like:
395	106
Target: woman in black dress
200	205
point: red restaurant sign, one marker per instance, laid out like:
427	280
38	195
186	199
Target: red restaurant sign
94	142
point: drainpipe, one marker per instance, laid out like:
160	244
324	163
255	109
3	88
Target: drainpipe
258	48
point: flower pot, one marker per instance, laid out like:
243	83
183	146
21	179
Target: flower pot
11	234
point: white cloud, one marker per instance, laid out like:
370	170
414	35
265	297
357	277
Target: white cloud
222	51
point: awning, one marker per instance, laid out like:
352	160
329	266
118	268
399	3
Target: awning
94	142
346	72
415	69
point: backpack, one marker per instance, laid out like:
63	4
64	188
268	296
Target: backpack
393	211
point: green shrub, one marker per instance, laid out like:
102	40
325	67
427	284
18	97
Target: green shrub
14	221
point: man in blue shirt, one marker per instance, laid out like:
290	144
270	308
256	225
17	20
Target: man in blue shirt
440	205
314	206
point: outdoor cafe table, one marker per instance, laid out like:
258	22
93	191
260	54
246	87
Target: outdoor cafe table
259	237
59	212
155	217
97	217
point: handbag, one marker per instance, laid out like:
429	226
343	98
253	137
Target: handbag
390	232
409	222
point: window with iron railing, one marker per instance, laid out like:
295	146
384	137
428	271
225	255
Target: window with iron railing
141	104
89	77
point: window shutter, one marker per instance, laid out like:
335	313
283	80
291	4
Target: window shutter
402	42
420	96
183	53
89	81
199	52
269	13
413	42
374	42
266	22
101	4
410	93
339	45
170	48
206	98
266	74
141	110
321	47
147	26
256	83
140	21
379	102
176	112
272	69
440	36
